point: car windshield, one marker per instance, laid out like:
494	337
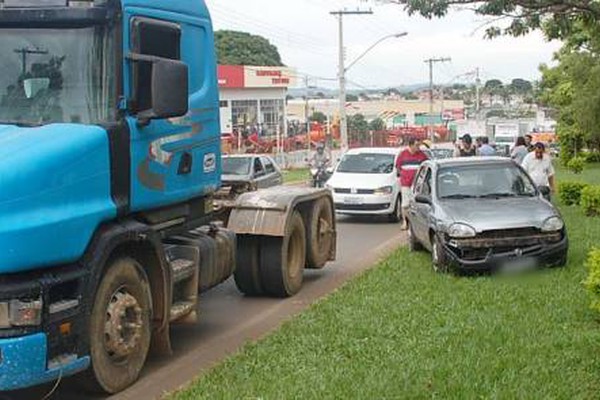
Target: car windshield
483	181
236	166
367	164
57	76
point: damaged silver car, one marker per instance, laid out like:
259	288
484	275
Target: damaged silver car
484	214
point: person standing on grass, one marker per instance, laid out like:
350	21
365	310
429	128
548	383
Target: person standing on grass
407	165
520	150
538	164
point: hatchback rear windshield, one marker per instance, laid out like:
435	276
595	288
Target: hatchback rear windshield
236	166
367	164
483	181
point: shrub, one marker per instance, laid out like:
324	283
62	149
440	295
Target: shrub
570	192
576	165
592	157
590	200
592	282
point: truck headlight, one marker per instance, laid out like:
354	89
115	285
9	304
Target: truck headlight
19	313
553	224
386	190
461	231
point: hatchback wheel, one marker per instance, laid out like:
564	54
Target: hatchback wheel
396	216
439	259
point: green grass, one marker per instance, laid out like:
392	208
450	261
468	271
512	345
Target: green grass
296	175
401	331
591	174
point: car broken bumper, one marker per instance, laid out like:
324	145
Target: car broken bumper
491	259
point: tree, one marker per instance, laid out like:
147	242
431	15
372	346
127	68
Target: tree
351	97
358	126
241	48
411	96
557	18
521	87
319	117
377	125
493	88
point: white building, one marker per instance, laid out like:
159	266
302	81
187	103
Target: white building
252	99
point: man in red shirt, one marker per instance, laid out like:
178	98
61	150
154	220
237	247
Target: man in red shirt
407	165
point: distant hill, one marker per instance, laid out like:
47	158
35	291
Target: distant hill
300	92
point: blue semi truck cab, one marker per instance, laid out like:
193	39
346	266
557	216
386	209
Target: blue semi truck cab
109	165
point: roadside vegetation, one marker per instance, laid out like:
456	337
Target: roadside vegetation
401	331
296	175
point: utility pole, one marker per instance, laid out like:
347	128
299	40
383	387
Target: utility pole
342	74
431	63
477	94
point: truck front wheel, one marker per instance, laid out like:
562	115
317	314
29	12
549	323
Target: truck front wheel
119	328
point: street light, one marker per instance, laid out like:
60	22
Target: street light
342	77
392	36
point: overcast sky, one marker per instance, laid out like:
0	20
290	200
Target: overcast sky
306	35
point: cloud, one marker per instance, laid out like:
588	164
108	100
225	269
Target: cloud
306	35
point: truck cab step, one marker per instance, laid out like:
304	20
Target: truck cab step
181	309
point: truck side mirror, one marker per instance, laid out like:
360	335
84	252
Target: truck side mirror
169	88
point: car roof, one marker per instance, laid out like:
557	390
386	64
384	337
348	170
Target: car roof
374	150
462	161
240	155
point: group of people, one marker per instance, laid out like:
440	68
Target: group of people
532	158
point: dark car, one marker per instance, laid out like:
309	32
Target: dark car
251	169
479	214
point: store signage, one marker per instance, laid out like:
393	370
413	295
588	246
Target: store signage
240	77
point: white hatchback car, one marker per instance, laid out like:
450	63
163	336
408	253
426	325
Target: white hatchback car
365	182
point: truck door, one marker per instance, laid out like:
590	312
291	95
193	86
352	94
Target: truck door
176	159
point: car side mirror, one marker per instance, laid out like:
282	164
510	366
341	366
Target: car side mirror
423	199
169	88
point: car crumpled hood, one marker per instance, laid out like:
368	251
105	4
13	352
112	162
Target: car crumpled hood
492	214
361	181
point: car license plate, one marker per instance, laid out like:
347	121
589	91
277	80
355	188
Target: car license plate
352	200
519	265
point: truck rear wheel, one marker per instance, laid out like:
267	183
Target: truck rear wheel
119	328
282	260
247	272
320	239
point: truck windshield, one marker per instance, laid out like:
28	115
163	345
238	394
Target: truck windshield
57	76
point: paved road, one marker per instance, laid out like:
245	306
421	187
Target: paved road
228	320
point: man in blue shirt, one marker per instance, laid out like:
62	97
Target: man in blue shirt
486	150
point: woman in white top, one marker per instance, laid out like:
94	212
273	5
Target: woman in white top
519	152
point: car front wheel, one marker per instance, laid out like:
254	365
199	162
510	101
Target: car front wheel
438	255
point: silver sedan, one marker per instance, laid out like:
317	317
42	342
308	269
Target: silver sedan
477	214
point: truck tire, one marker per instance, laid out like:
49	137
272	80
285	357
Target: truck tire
119	328
320	235
282	260
247	272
